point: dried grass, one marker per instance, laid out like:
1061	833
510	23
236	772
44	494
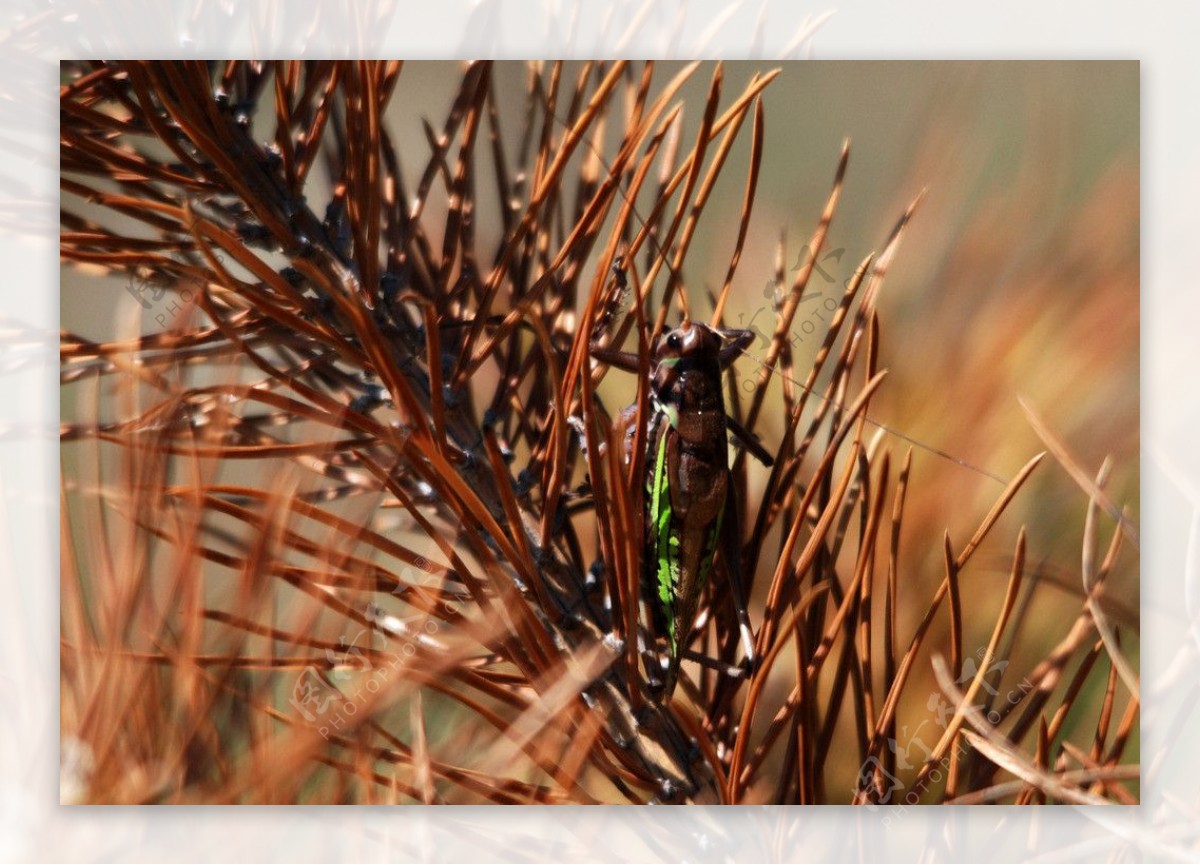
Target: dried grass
354	526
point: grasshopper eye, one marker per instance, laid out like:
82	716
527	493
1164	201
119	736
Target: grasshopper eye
674	342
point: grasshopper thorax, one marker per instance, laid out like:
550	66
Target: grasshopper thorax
687	367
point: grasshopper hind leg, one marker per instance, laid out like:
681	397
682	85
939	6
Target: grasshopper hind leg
731	553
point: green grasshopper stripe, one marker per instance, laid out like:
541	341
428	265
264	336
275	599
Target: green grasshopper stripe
666	546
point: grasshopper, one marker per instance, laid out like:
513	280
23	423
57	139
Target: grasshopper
690	506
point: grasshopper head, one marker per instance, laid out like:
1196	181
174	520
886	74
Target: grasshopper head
687	367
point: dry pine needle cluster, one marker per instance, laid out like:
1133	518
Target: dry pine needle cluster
346	518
